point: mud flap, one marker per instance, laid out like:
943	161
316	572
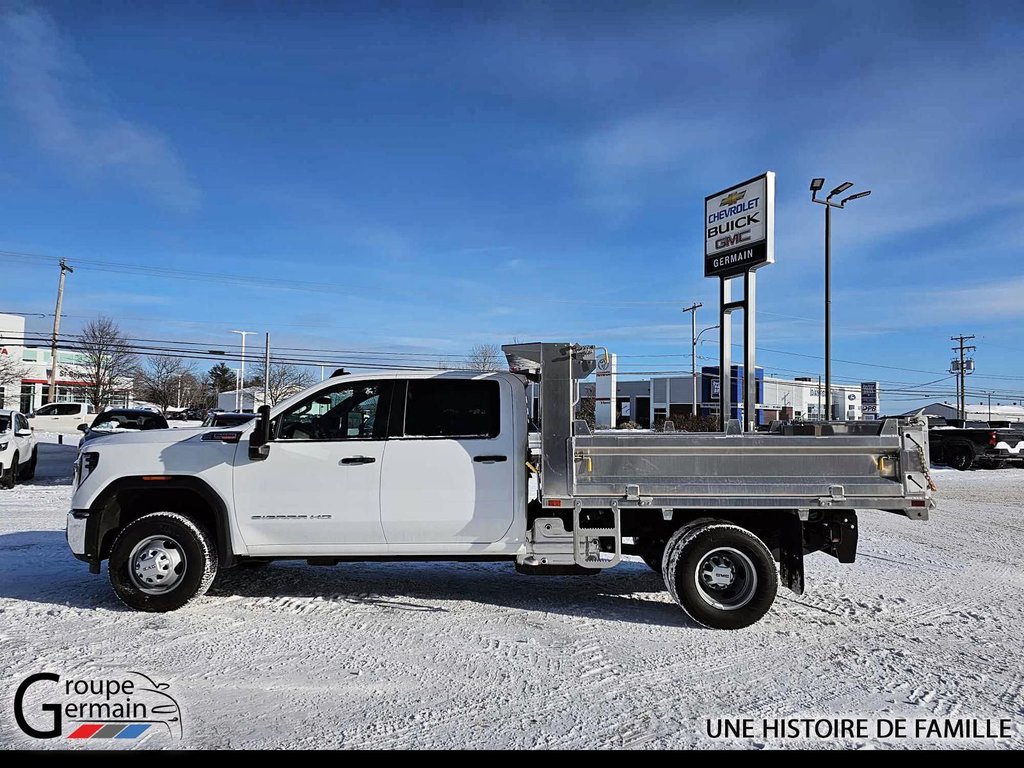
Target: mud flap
791	554
843	532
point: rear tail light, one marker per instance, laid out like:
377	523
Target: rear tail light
222	437
993	438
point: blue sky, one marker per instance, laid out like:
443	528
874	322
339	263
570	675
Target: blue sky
422	179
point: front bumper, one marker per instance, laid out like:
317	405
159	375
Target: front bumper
78	522
83	539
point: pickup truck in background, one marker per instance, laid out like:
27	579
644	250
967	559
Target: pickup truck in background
416	465
66	418
971	444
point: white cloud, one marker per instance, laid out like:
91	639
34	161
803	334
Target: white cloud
49	86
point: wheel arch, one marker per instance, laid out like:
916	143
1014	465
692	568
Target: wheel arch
129	498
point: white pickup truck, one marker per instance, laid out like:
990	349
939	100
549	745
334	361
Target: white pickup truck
66	418
437	466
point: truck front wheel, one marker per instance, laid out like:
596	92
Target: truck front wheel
161	562
722	575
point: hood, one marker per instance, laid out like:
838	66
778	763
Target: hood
155	436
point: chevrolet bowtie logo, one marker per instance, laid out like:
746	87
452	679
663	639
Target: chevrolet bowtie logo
735	197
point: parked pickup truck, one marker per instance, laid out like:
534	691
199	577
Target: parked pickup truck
436	466
976	444
62	417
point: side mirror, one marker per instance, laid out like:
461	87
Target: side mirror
83	427
259	439
23	433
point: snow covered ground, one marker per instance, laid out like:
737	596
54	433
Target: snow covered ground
928	623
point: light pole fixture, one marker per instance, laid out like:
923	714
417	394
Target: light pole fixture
817	185
696	341
692	309
241	374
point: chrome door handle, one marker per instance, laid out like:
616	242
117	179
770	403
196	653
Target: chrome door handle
358	460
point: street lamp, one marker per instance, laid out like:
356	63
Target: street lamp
692	309
816	186
696	341
241	374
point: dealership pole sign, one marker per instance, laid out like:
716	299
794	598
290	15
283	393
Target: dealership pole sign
739	227
739	239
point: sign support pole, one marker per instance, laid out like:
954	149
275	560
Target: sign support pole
725	348
749	348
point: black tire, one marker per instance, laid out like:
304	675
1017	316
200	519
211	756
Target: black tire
651	551
699	559
161	562
961	458
9	478
29	473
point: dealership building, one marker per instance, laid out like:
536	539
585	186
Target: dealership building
648	402
33	363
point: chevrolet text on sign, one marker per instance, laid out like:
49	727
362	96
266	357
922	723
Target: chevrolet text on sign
739	227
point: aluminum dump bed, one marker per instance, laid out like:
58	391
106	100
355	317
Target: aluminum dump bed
846	465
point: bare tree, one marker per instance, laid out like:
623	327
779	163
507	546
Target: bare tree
11	373
195	390
483	357
162	379
107	363
285	381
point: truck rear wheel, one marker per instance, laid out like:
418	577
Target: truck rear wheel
961	458
722	575
161	562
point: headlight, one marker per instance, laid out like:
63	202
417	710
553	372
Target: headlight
3	446
87	462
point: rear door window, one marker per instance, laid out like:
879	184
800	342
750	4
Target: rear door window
454	408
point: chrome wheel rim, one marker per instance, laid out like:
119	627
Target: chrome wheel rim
156	565
726	579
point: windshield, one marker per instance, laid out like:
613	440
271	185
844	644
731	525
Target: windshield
110	421
229	419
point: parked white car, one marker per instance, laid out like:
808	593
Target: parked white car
62	417
17	449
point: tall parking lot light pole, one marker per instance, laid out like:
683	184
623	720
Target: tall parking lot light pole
692	309
695	343
816	186
241	374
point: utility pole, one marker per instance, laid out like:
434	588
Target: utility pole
266	374
692	309
51	394
989	406
960	368
819	398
